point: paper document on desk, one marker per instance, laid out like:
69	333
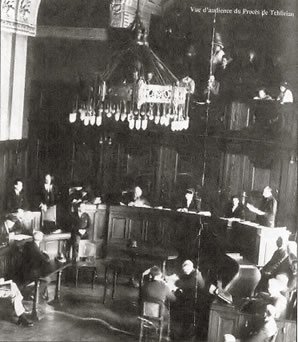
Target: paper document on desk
235	256
231	219
205	213
171	280
20	237
252	224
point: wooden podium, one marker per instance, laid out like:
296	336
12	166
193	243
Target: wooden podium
254	242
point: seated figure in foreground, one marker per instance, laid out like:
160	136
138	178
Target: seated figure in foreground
278	264
36	263
264	329
9	290
156	290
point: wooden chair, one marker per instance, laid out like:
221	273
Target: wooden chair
86	260
152	319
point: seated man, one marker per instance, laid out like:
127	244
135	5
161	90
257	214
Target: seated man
278	264
16	199
6	227
80	223
156	290
188	203
36	263
275	298
264	329
9	290
139	200
235	208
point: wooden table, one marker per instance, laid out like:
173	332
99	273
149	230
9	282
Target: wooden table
159	253
56	269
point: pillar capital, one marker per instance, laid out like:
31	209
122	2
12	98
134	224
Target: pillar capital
19	16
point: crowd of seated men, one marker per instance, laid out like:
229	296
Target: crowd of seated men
186	297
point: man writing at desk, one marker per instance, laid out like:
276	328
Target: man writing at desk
268	208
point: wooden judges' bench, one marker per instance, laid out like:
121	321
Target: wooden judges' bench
114	225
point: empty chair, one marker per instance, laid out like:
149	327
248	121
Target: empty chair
86	260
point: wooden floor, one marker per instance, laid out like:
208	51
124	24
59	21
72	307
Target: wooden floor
81	317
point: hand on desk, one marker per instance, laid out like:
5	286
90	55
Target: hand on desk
43	207
182	210
171	281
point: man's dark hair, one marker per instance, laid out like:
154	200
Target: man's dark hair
17	180
155	271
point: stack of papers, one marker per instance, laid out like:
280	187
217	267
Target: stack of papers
205	213
235	256
19	237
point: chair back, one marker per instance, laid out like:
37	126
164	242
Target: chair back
87	250
152	310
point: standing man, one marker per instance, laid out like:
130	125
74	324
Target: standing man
268	208
48	201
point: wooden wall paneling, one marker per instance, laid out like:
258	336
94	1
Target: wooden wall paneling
100	223
260	179
158	179
275	174
118	229
135	229
13	158
3	178
247	173
166	174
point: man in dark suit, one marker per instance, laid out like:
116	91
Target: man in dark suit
156	290
278	264
268	208
6	227
80	223
16	198
188	203
36	263
48	204
235	208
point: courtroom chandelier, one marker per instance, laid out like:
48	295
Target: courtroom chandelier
136	88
